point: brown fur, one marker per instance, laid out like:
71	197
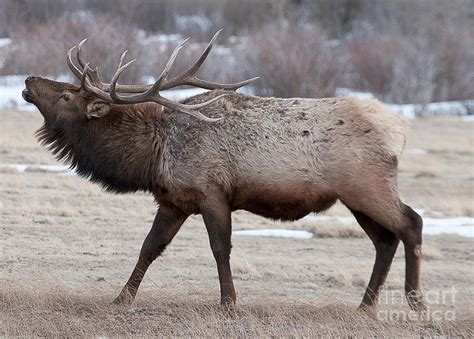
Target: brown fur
279	158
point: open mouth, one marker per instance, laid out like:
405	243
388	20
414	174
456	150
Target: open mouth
27	95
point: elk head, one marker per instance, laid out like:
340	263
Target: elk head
62	102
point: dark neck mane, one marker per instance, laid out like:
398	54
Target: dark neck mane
119	151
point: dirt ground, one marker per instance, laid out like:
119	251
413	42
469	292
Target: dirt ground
67	248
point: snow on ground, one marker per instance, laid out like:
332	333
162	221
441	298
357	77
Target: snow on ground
456	108
5	42
159	38
179	94
463	108
463	226
347	92
10	93
60	169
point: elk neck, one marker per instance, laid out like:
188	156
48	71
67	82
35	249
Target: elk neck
120	151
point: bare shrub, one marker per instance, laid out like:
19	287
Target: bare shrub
436	66
294	61
454	51
41	49
393	68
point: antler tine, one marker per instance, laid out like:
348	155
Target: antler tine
93	75
84	76
195	67
189	77
72	66
91	88
113	84
79	54
122	56
74	69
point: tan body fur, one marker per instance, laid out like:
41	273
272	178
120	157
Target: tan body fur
285	158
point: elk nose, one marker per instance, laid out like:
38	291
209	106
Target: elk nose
30	78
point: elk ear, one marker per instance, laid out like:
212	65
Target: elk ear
97	109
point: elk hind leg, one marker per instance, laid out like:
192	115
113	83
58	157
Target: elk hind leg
217	218
385	243
384	208
411	236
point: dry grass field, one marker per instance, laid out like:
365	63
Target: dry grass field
67	248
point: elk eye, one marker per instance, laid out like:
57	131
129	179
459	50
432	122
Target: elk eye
64	96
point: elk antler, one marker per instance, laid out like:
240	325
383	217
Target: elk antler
186	78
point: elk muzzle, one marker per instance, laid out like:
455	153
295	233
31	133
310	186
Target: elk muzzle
27	94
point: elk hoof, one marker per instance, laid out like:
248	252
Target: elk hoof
418	305
367	309
227	304
415	301
124	299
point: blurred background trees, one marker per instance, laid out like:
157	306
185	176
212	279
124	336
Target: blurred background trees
400	50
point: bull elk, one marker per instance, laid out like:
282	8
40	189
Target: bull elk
222	151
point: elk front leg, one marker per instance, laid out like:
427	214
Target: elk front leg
216	215
167	222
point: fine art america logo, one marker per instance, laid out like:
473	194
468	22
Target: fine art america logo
440	306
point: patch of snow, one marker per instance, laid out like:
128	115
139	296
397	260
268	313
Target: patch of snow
333	43
159	38
408	111
11	87
5	42
468	118
19	167
61	169
341	91
464	231
447	222
223	51
179	94
234	39
193	22
416	151
447	108
279	233
463	226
